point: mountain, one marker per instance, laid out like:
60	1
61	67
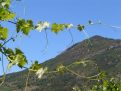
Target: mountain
104	52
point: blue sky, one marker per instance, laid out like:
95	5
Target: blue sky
63	11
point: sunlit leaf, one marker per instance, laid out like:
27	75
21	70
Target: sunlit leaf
60	68
3	33
36	66
57	27
5	3
16	57
5	14
24	26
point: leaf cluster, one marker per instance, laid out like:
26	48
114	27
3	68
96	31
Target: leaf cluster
15	57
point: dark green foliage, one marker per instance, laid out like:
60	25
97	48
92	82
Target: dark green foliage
80	27
36	66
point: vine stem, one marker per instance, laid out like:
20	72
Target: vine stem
27	79
3	64
97	23
90	78
10	22
72	39
4	73
87	37
46	46
3	79
4	76
6	42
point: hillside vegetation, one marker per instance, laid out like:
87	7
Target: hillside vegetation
104	52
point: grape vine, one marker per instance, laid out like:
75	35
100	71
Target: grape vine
18	58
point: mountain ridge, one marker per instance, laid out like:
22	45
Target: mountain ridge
105	52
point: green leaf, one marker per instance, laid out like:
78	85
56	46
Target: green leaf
8	51
36	66
5	3
57	27
3	33
22	60
80	27
20	57
61	68
15	57
5	14
18	51
24	26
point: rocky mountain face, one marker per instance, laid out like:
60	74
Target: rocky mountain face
104	52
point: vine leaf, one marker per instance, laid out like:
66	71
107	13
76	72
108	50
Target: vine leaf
5	14
8	51
24	26
57	27
60	68
3	33
5	3
15	57
36	66
80	27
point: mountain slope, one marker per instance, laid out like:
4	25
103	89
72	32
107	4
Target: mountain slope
105	52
